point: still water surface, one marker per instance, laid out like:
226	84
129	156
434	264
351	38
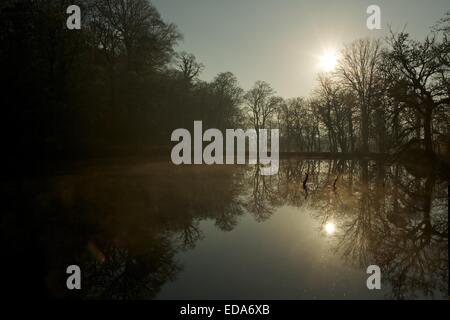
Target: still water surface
153	230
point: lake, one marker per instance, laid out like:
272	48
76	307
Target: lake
153	230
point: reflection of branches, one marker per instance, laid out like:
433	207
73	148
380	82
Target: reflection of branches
416	253
385	217
190	235
169	215
138	223
357	234
411	250
260	201
226	220
130	275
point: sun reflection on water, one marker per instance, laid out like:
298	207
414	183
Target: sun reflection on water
330	228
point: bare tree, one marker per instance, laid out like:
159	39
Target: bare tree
261	105
358	69
418	68
189	67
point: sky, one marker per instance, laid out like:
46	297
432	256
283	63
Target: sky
281	41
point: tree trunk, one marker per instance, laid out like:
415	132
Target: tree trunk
365	129
427	131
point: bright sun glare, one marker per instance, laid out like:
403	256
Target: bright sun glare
330	228
328	61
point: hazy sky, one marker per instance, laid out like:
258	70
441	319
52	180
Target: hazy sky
280	41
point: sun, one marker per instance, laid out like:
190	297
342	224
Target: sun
328	61
330	228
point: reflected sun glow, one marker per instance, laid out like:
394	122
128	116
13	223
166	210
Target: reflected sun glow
330	228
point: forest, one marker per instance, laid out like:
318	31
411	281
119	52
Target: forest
118	86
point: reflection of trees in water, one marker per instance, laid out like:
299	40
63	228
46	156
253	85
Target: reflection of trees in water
412	248
385	216
169	208
130	273
261	200
124	226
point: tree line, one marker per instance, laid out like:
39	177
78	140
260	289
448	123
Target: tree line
384	95
118	85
